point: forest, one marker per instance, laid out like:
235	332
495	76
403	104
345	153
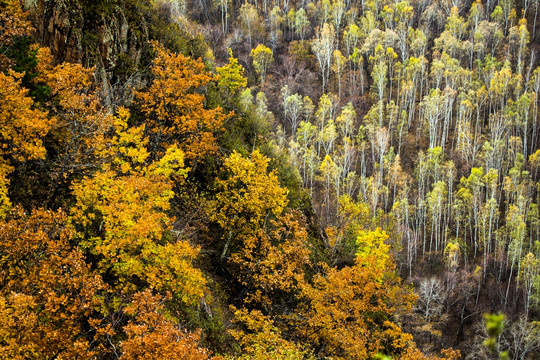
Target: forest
269	179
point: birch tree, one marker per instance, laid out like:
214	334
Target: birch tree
323	47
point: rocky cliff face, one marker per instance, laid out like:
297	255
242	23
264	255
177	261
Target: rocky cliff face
111	36
59	29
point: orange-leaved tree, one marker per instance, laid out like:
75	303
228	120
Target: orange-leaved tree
81	121
22	128
272	266
152	335
412	353
175	108
353	312
13	24
49	294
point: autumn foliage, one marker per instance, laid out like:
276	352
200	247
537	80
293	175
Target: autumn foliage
151	335
13	24
80	121
23	125
265	246
175	109
351	312
121	212
22	128
155	238
49	291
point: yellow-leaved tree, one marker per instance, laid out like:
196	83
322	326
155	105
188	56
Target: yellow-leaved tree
121	216
260	339
264	247
22	125
246	196
262	59
231	75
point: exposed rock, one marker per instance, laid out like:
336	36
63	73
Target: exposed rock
59	27
111	42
